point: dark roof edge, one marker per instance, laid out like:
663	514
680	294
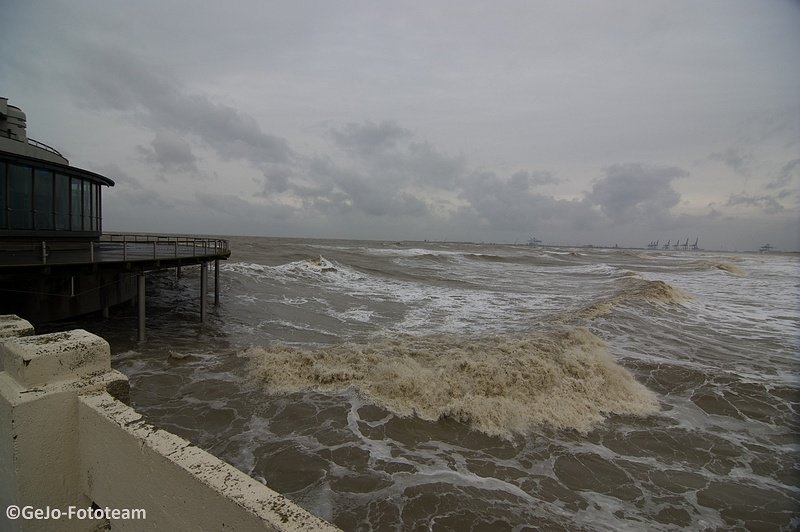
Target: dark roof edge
40	163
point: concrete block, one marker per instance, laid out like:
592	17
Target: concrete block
66	441
40	383
12	325
47	358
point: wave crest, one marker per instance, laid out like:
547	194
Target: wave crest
724	266
500	386
651	291
634	289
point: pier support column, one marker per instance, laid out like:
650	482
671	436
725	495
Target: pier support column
216	282
203	290
140	280
178	272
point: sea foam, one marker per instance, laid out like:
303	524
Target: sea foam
498	385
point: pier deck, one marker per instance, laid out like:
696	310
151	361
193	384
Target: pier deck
136	252
51	279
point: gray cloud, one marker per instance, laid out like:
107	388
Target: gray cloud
634	192
378	170
235	207
347	189
734	158
512	204
506	117
368	139
389	152
116	79
787	173
170	153
768	204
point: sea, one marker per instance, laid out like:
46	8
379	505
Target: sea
459	386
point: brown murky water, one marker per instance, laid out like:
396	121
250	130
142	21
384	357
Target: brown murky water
389	386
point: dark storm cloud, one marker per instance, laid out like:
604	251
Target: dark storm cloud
114	78
345	189
634	192
423	164
378	169
170	153
387	151
513	203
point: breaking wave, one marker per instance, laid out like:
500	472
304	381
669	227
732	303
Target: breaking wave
723	266
312	267
634	289
500	386
656	291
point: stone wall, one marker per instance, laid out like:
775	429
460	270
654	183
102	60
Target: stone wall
68	440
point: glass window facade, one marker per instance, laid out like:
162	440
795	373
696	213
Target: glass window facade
93	221
20	197
62	202
40	199
3	193
43	199
76	204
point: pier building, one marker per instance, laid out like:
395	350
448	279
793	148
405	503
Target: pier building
55	260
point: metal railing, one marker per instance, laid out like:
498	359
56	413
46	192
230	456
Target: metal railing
113	247
32	142
44	146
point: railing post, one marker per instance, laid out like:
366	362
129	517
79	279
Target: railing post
203	290
154	250
44	252
216	282
141	292
124	247
91	251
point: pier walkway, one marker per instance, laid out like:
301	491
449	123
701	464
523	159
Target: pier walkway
121	249
108	261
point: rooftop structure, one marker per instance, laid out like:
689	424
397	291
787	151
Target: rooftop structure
41	196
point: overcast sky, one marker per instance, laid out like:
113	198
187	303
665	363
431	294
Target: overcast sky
592	122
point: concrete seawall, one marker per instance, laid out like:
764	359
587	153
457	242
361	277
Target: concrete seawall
69	443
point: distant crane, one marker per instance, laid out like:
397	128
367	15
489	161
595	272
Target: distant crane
533	241
694	246
666	246
685	245
677	244
653	244
766	248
